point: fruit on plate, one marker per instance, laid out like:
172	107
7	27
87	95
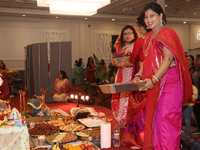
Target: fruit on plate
128	54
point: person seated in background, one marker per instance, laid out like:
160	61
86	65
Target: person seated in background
62	87
77	73
90	69
4	88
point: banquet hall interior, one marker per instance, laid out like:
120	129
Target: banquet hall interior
37	43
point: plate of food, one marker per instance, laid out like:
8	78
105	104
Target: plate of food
62	137
89	134
72	127
43	129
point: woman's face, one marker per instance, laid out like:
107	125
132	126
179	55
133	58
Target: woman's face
91	60
60	75
128	35
189	61
1	64
152	19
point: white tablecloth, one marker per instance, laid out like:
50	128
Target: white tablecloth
14	138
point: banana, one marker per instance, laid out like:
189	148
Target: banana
54	147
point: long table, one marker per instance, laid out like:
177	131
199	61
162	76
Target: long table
66	106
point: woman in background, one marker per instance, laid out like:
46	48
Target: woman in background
119	101
136	105
4	88
62	87
90	69
167	82
77	73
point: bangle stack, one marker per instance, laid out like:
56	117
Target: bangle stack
138	75
155	79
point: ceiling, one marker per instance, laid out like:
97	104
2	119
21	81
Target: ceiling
176	11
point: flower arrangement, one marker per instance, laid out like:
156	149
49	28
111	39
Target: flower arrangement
45	111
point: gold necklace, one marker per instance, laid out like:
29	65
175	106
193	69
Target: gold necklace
151	40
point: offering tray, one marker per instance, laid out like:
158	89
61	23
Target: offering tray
60	111
62	137
91	122
89	134
75	111
121	87
121	59
72	127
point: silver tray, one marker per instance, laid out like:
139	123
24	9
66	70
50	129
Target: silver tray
120	87
91	122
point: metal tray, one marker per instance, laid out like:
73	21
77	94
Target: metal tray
91	122
120	87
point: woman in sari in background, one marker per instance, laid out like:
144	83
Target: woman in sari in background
77	73
62	87
168	83
4	88
90	69
119	101
136	106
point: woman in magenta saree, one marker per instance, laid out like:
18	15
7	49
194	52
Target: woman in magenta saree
168	83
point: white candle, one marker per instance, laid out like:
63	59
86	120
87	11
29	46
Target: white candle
41	140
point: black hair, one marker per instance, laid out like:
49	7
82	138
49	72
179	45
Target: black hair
4	66
103	62
64	75
140	22
157	8
88	62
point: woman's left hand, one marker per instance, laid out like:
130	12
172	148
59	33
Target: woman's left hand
148	85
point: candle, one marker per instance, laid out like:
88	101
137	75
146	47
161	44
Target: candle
87	97
41	140
82	97
76	96
72	96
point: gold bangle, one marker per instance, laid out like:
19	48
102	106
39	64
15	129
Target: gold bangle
138	74
122	65
155	78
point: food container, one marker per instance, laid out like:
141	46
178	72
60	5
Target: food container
91	122
120	87
89	134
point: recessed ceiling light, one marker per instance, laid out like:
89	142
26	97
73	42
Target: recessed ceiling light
184	22
23	15
85	18
165	5
56	17
113	19
195	13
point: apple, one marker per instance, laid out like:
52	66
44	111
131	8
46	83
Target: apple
89	147
128	54
82	146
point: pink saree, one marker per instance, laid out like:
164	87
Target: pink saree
164	101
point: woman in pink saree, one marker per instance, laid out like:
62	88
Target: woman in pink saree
119	102
168	83
62	87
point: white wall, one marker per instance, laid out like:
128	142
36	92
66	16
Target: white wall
16	33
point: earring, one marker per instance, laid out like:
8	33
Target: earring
161	22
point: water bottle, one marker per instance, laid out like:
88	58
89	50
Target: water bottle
116	131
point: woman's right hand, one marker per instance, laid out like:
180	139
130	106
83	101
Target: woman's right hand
136	79
114	62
